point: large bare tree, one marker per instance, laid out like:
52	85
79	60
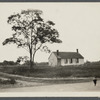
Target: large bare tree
30	31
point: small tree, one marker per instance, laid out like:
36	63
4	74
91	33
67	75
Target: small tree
22	59
31	32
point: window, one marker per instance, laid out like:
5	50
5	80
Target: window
71	60
77	60
66	61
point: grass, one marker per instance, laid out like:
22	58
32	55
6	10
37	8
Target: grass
62	72
86	70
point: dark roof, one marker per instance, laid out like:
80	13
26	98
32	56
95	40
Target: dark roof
65	55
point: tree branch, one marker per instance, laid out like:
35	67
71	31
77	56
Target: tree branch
39	47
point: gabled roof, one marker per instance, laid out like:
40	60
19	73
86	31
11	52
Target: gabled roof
64	55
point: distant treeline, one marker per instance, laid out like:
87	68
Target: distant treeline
5	62
8	63
92	63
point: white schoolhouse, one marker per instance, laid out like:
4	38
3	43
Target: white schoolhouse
65	58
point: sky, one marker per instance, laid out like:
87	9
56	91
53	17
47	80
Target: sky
77	23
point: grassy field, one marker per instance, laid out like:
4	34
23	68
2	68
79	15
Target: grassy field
86	70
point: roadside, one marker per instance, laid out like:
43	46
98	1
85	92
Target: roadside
22	81
75	87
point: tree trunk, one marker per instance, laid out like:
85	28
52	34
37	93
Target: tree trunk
35	53
31	61
33	58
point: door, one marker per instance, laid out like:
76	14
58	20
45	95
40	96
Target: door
59	62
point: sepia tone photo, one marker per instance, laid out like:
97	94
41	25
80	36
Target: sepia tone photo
49	47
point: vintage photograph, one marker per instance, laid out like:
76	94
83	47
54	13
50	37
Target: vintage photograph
49	47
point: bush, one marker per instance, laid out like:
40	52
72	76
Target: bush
12	81
7	81
8	63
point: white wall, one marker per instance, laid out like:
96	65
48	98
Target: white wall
52	60
81	61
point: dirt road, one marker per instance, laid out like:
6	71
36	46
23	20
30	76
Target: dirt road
73	87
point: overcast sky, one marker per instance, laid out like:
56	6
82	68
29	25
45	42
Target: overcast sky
78	25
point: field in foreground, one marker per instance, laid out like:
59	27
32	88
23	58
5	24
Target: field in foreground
86	70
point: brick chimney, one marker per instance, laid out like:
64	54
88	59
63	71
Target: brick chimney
77	51
57	52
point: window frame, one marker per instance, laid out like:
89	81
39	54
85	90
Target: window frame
66	61
77	60
71	60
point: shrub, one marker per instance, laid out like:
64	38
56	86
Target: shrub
8	81
9	63
12	81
